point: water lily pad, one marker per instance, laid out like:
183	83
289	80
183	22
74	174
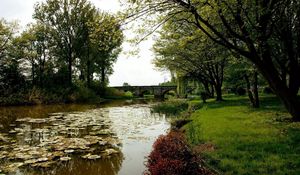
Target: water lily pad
103	143
31	161
65	158
23	119
37	120
4	138
68	151
43	159
43	164
57	154
23	156
110	151
12	131
91	157
13	167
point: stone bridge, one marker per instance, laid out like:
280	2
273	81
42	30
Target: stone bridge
157	91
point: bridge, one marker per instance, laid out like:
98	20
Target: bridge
157	91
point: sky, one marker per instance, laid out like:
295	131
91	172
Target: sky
135	70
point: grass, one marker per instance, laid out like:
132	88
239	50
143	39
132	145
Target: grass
247	140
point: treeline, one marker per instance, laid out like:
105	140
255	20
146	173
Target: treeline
192	57
201	38
68	52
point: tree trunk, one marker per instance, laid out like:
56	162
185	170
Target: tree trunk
218	89
255	90
70	67
103	76
88	64
206	87
289	99
291	103
212	91
32	73
248	86
89	73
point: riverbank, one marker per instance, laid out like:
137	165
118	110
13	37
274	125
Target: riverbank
37	96
234	138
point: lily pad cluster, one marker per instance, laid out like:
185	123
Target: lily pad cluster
45	142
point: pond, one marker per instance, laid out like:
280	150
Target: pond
107	139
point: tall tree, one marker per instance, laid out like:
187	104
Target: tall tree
265	32
106	38
66	20
193	55
35	46
11	79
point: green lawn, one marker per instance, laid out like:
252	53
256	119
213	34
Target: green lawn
246	140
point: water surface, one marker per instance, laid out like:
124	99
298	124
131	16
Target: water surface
113	138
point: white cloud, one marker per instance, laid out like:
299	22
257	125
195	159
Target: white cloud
134	70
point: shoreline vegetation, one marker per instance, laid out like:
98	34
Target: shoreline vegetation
231	137
76	94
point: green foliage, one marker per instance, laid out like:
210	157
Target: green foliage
69	42
194	105
266	33
126	84
247	140
171	107
83	94
128	94
112	93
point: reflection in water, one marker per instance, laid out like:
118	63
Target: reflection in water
32	141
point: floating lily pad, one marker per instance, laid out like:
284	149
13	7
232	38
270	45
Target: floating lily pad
43	164
68	151
65	158
31	161
91	157
110	151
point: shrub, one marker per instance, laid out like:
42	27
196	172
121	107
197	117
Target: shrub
81	93
240	91
171	155
172	107
194	105
128	94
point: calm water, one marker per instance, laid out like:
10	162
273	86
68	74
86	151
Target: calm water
110	139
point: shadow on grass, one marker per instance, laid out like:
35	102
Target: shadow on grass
267	102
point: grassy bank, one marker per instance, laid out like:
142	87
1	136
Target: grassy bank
237	139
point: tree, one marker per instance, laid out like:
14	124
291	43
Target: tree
241	73
6	36
35	46
193	55
106	38
66	20
126	84
11	79
265	32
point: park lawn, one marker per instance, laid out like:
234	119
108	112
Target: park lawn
246	140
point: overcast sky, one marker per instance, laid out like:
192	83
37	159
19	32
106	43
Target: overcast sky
136	70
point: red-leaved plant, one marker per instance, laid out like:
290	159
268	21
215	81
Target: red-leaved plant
171	155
